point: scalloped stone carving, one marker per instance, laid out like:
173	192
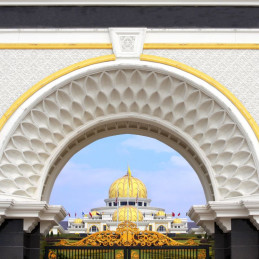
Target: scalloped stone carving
234	68
128	91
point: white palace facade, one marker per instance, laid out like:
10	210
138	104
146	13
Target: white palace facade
127	202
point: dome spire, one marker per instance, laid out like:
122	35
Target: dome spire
129	175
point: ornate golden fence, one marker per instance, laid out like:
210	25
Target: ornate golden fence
125	243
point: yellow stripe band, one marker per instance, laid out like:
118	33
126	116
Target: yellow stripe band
55	46
200	46
143	57
146	46
49	79
209	80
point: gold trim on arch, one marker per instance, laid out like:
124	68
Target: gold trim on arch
201	46
143	57
146	46
55	46
209	80
49	79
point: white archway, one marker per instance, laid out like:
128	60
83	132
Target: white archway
137	97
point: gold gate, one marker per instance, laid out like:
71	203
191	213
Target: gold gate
128	242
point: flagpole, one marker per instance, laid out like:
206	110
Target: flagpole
137	210
128	202
117	207
128	195
129	179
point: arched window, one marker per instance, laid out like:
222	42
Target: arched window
94	229
161	229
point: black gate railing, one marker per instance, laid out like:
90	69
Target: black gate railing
139	252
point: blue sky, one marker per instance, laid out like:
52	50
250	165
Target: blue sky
85	180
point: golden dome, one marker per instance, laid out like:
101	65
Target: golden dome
78	221
128	213
95	213
120	188
177	221
160	213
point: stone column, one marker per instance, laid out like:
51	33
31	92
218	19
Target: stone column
237	228
32	243
12	239
222	244
15	243
244	239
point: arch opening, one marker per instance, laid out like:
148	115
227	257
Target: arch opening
130	126
164	177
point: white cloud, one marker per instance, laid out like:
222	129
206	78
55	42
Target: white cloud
146	143
84	175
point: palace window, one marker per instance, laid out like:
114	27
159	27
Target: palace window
94	229
110	204
123	203
104	228
145	204
139	203
132	203
161	229
150	228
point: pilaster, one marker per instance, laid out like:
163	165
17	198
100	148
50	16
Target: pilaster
244	240
12	239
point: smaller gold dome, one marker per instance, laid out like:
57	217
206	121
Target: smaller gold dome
78	221
129	213
160	213
95	213
177	221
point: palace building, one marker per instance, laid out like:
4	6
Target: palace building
128	200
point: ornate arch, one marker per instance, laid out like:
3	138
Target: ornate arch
140	97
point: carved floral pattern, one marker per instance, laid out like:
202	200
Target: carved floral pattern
125	91
234	68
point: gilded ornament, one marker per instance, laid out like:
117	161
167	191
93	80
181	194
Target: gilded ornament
202	254
52	255
134	254
119	254
127	234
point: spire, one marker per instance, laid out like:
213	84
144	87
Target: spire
129	175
